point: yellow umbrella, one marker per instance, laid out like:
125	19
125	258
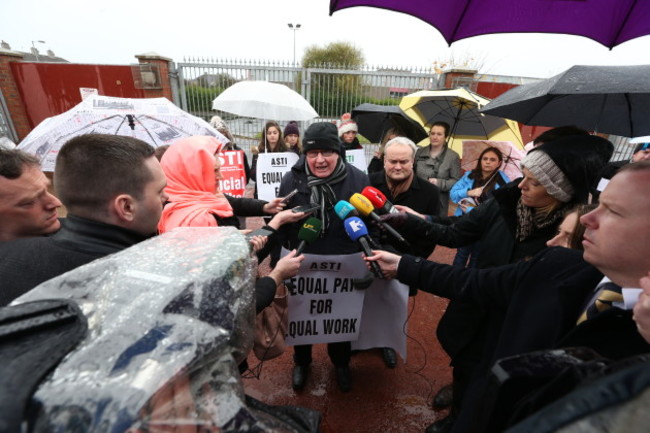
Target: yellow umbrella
460	109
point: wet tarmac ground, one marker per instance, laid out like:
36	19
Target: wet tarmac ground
382	399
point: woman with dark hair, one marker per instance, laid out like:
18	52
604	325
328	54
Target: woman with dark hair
472	189
270	141
292	137
570	232
438	164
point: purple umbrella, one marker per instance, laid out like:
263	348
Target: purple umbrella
609	22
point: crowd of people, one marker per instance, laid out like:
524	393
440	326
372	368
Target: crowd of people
533	253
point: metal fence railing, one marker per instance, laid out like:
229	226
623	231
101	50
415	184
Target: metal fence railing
331	91
6	125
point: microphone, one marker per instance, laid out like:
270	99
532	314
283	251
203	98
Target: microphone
308	233
378	200
344	209
365	208
358	232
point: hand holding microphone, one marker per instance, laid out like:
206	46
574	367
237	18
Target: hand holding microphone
358	232
307	234
365	208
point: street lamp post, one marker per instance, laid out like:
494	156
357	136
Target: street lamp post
36	49
294	28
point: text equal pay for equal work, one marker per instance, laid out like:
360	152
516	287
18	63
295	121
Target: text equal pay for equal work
324	305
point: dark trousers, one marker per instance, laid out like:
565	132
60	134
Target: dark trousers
339	353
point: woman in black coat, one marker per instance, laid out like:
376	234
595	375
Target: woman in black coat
512	226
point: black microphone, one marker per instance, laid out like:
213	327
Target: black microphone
358	232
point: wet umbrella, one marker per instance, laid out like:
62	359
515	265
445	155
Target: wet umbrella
460	109
609	22
375	120
264	100
154	120
608	99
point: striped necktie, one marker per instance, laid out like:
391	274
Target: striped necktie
608	293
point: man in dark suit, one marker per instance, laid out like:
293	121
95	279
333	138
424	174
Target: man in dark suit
538	303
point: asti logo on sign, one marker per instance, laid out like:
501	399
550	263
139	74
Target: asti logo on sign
325	266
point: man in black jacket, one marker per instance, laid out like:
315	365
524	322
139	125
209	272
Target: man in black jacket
541	301
322	178
397	181
113	189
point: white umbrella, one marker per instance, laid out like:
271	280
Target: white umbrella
154	120
264	100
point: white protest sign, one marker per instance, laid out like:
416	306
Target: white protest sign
357	158
324	306
385	308
270	169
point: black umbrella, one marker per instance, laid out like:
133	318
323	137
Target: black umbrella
608	99
374	120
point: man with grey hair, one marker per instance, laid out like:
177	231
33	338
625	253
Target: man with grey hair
113	188
401	187
397	181
26	206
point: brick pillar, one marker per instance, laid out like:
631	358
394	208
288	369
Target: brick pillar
460	77
12	96
163	68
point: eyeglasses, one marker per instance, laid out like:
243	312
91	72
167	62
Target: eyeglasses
312	154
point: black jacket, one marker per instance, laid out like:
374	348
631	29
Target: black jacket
26	263
533	305
336	240
493	223
241	207
422	197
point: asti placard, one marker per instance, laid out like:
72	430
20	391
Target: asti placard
357	158
324	305
233	173
270	169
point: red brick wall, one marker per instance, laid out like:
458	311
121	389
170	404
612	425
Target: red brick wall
12	95
35	91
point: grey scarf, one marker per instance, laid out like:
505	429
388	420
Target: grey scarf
321	191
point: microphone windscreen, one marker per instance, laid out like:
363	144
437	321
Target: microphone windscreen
361	203
355	228
343	209
376	197
310	230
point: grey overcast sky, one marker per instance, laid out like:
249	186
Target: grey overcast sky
113	32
